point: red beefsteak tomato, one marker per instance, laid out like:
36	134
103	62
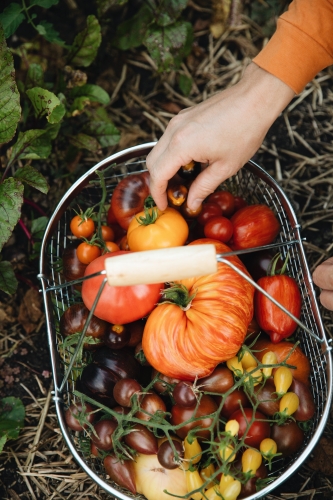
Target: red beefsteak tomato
254	225
188	341
118	304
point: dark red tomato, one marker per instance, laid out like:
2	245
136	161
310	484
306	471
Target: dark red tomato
289	437
87	252
94	449
166	456
118	304
124	389
78	415
225	200
150	404
250	487
121	361
219	228
163	384
73	269
254	225
235	400
307	407
121	472
129	196
102	437
254	432
209	210
276	323
267	397
219	381
142	440
74	320
183	394
111	218
190	171
258	263
117	336
136	330
181	415
239	203
189	213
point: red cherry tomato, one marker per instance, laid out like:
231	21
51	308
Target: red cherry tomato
219	228
82	227
182	414
86	253
225	200
209	210
239	203
257	431
254	225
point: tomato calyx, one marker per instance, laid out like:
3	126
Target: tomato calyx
178	294
149	202
150	216
272	268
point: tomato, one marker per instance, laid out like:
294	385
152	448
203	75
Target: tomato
239	203
128	197
276	323
284	350
190	171
267	397
167	457
282	380
258	263
82	226
98	382
289	437
102	437
118	305
289	403
192	450
157	229
78	415
111	246
86	252
74	320
117	336
164	384
209	210
225	200
181	415
307	407
177	194
107	233
250	487
254	432
183	394
210	330
150	404
251	460
124	389
111	218
194	482
188	213
254	225
219	228
219	381
120	471
142	440
235	400
72	268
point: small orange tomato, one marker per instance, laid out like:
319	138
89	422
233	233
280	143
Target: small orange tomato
112	246
107	233
86	253
82	226
177	194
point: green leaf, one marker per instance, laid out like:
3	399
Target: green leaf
37	231
131	33
10	110
3	440
169	11
57	114
104	5
32	145
49	33
79	104
12	415
11	199
35	76
43	101
31	176
168	46
11	18
185	84
44	3
106	133
92	92
86	44
84	141
8	281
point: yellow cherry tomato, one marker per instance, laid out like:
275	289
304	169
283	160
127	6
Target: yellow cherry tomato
225	480
235	366
193	482
282	379
268	448
269	358
255	375
227	453
251	460
232	491
212	493
192	451
232	426
248	360
206	473
289	403
154	228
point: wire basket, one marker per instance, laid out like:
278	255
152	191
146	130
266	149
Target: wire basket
256	186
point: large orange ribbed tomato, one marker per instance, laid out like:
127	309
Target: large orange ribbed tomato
188	342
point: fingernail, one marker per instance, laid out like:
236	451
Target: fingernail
195	204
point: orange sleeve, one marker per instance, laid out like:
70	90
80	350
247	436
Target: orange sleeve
302	44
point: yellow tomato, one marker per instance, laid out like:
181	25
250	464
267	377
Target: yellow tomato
154	228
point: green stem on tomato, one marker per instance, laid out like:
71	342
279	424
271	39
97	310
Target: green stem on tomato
177	294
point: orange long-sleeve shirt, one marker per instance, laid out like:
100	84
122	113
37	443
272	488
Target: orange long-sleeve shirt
302	44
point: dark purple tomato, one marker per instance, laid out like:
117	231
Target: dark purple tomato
307	407
235	400
257	263
163	384
166	455
142	440
150	404
121	362
124	389
219	381
117	336
94	449
73	269
190	171
269	400
250	487
182	415
289	437
78	415
99	382
102	437
136	330
183	394
74	320
121	472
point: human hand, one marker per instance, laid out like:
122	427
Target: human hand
224	132
323	277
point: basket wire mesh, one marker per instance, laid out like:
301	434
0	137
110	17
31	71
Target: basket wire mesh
256	186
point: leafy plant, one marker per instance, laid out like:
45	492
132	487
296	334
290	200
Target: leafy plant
12	415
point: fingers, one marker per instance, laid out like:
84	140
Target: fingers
323	277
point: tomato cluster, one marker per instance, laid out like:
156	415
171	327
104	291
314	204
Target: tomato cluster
175	390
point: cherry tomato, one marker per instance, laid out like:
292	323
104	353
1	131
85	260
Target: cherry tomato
258	430
142	440
78	415
183	394
124	389
74	320
190	171
250	487
258	263
117	336
307	407
150	404
267	397
72	268
180	415
98	382
219	228
107	233
209	210
289	437
219	381
235	400
254	225
251	460
120	471
225	200
192	450
239	203
121	362
164	384
86	252
194	482
282	379
189	213
102	437
82	226
268	448
166	455
177	194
